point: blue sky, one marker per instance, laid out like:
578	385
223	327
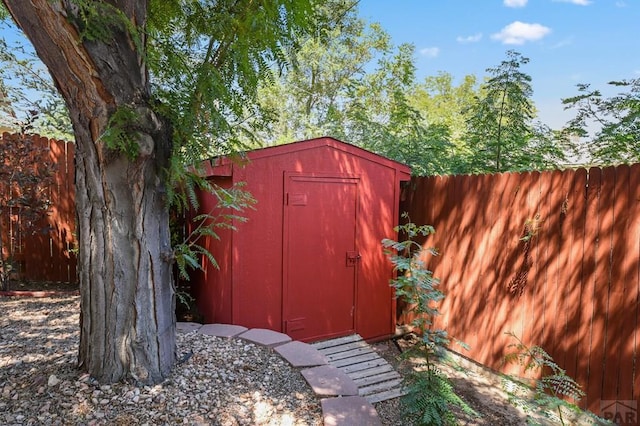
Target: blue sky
567	41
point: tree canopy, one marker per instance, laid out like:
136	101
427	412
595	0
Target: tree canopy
611	124
352	83
500	125
150	86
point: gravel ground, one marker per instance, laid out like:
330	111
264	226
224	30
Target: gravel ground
224	382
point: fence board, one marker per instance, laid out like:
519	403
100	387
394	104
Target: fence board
573	288
506	314
584	373
554	254
544	242
46	254
634	284
615	365
564	236
577	208
530	317
493	271
482	265
600	284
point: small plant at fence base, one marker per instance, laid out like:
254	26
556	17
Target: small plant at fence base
554	383
430	393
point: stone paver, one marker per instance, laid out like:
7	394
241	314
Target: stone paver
187	327
265	337
349	411
301	354
328	380
346	409
222	330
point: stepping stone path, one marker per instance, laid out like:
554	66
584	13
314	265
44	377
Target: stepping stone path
375	377
340	400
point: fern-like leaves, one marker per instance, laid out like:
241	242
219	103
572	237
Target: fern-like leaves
554	383
430	398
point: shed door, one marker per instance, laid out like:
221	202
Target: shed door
321	258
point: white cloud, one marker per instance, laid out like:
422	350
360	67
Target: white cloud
469	39
578	2
621	4
515	3
430	52
520	32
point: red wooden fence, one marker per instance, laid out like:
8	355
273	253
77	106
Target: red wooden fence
44	252
571	287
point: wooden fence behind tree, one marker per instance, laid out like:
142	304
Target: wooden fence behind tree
45	252
553	257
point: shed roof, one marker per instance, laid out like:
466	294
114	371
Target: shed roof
223	166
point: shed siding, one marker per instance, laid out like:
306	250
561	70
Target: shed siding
256	260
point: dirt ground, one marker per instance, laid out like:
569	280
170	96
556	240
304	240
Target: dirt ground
496	399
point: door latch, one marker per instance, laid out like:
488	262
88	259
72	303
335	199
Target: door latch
352	258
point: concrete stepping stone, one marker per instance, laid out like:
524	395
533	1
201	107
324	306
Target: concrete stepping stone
187	327
328	380
222	330
301	354
349	411
264	337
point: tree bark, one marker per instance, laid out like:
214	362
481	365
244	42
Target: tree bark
127	322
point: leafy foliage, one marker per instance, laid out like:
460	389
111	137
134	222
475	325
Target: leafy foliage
385	121
350	82
121	133
311	98
231	203
430	392
616	120
430	398
554	383
207	60
445	106
501	132
26	173
21	76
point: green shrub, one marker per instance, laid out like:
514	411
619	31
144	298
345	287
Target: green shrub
430	393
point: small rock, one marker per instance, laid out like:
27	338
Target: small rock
53	380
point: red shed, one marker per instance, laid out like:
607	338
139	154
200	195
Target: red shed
308	262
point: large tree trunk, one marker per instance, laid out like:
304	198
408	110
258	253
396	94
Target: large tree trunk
124	262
